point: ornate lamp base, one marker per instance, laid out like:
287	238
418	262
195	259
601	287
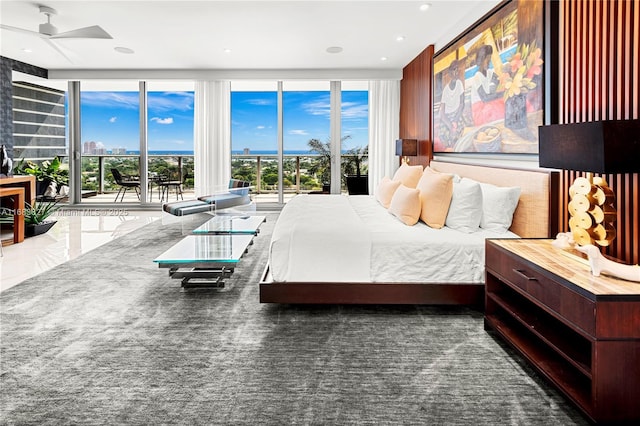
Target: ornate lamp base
593	212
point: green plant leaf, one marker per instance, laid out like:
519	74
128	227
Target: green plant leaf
39	211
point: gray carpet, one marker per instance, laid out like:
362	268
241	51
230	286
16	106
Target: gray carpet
108	338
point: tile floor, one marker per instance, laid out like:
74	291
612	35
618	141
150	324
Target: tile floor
77	231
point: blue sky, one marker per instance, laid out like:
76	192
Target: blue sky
111	118
306	116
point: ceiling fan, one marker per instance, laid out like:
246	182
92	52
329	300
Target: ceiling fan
49	32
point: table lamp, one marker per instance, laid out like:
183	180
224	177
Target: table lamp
604	147
406	148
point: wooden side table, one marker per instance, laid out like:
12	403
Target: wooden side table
17	194
580	332
28	182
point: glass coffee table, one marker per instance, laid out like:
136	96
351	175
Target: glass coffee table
231	225
205	260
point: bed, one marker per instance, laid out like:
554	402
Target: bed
333	249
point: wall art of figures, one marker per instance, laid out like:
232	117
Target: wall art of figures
488	84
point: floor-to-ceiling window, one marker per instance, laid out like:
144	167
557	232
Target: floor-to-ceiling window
111	135
170	140
355	135
114	145
110	138
254	136
306	129
306	136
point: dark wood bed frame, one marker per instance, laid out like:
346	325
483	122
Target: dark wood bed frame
533	218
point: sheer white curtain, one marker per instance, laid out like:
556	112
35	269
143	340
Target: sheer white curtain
212	136
384	129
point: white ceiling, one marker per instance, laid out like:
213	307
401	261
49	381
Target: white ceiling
182	37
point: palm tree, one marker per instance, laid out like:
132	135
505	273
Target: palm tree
322	166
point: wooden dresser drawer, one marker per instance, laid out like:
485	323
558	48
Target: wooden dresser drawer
540	287
578	331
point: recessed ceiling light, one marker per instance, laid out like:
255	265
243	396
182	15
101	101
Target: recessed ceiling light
226	50
384	58
121	49
26	50
334	49
425	6
400	38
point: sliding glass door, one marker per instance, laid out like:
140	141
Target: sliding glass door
170	140
110	139
117	151
302	139
306	136
280	133
254	137
355	136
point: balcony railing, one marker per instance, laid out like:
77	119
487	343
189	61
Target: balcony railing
302	173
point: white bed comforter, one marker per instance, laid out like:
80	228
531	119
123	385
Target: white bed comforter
335	238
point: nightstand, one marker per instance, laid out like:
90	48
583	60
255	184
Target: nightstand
581	332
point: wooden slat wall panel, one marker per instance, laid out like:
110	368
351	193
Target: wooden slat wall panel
416	104
599	65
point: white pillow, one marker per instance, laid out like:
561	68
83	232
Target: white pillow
465	210
498	205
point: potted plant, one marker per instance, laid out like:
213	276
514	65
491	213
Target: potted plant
36	217
358	182
45	173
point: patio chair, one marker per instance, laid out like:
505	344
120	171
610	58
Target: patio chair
125	184
165	185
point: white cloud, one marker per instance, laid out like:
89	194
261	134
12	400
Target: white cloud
170	101
260	127
113	119
298	132
354	129
259	102
158	101
124	100
168	120
354	111
321	107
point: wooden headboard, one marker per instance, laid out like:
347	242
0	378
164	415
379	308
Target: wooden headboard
537	213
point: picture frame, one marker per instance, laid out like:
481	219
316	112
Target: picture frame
488	83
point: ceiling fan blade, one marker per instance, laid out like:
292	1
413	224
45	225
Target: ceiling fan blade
87	32
58	49
22	31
